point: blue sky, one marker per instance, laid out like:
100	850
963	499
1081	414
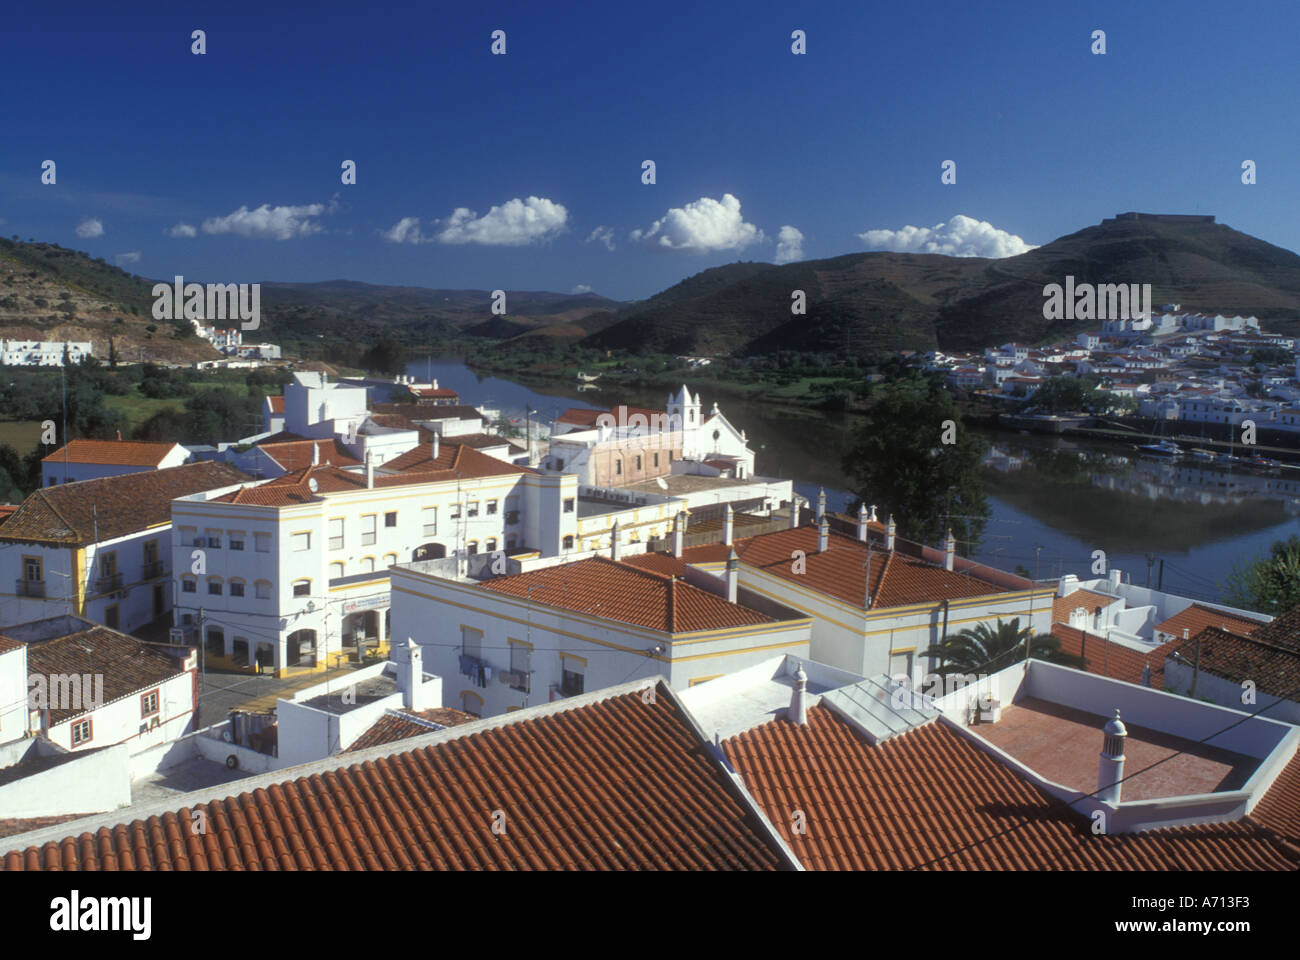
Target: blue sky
244	144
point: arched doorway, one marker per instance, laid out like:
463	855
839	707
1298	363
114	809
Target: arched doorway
429	551
301	649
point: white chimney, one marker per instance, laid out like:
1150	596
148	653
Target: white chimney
794	512
613	542
823	535
1067	585
890	529
1114	579
873	514
733	576
728	526
949	550
1111	770
435	446
409	659
370	470
315	454
798	712
679	533
862	523
821	504
435	384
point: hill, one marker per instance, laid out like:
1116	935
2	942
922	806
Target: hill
48	292
867	304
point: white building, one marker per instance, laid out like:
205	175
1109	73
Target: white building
89	686
506	642
91	459
295	569
43	353
99	549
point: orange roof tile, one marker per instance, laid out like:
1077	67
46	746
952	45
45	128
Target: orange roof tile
122	453
612	784
600	587
930	799
1114	660
296	454
276	404
583	417
402	725
1273	669
1197	617
1090	600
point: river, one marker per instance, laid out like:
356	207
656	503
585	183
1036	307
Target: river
1054	500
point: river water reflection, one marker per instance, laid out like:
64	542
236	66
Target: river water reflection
1055	500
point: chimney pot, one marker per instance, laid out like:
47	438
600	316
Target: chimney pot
891	529
823	535
794	511
728	526
862	523
949	550
679	533
821	503
798	712
1111	769
733	576
613	542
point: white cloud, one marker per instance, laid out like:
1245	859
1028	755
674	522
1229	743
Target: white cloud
406	230
701	227
131	256
512	224
789	245
90	228
603	234
959	237
182	230
581	288
279	223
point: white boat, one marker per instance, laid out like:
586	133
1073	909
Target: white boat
1202	454
1162	448
588	377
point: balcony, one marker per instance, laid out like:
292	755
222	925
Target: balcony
517	679
108	583
152	569
30	588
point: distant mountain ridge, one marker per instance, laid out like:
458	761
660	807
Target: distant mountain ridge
867	304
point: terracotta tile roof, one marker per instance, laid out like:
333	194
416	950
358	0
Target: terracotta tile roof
127	664
125	453
296	454
423	412
1274	670
276	404
664	563
600	587
454	459
1090	600
1197	617
6	511
1283	631
91	511
401	725
896	578
15	825
8	646
434	392
1114	660
611	784
583	417
930	799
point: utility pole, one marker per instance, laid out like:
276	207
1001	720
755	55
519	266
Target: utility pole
1151	559
1038	548
1160	578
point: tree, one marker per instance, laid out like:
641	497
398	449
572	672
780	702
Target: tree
900	458
985	649
1269	584
1067	395
387	356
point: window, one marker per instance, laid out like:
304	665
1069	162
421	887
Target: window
429	515
302	541
368	529
390	559
32	569
520	665
262	542
511	541
472	548
214	588
237	540
491	545
81	732
455	511
214	539
618	467
301	588
150	552
336	534
473	508
236	588
638	462
367	564
656	460
390	519
108	563
336	570
471	641
568	542
568	505
189	585
263	589
149	704
491	507
572	676
190	537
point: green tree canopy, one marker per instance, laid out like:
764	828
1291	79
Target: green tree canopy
1270	584
900	460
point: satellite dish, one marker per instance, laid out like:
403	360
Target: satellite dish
312	485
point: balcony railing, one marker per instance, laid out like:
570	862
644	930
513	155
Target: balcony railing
108	582
153	568
30	588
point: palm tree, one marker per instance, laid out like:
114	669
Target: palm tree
985	649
